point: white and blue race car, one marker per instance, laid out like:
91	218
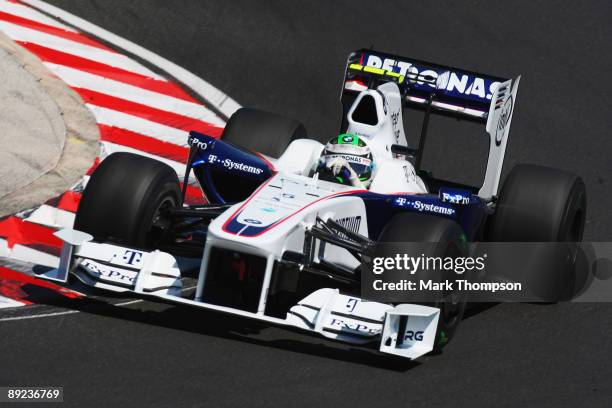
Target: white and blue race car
279	244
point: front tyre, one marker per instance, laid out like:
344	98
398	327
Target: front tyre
125	199
429	236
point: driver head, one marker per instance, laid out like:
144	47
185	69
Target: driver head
355	151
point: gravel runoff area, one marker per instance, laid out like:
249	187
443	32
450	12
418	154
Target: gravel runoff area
48	137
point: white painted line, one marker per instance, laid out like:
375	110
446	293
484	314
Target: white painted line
19	33
4	249
67	312
7	302
31	14
52	217
81	79
206	91
8	319
27	254
85	179
139	125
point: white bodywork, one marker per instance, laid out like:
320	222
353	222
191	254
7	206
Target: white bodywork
498	127
391	174
269	223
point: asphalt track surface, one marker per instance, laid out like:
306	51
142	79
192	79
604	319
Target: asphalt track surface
288	57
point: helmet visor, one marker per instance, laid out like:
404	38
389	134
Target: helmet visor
361	165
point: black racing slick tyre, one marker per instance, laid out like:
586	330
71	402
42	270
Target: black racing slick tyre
539	204
262	131
256	131
429	236
124	199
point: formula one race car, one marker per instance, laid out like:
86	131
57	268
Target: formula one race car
280	242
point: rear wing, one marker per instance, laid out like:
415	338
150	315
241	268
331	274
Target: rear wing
444	90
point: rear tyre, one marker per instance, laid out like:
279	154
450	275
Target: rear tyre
539	204
125	199
439	237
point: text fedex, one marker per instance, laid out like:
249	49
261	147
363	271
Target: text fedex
464	84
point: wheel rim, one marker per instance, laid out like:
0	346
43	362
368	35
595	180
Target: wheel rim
159	226
451	301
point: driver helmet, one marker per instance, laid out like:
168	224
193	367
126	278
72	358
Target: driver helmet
355	151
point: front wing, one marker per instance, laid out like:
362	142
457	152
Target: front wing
405	330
